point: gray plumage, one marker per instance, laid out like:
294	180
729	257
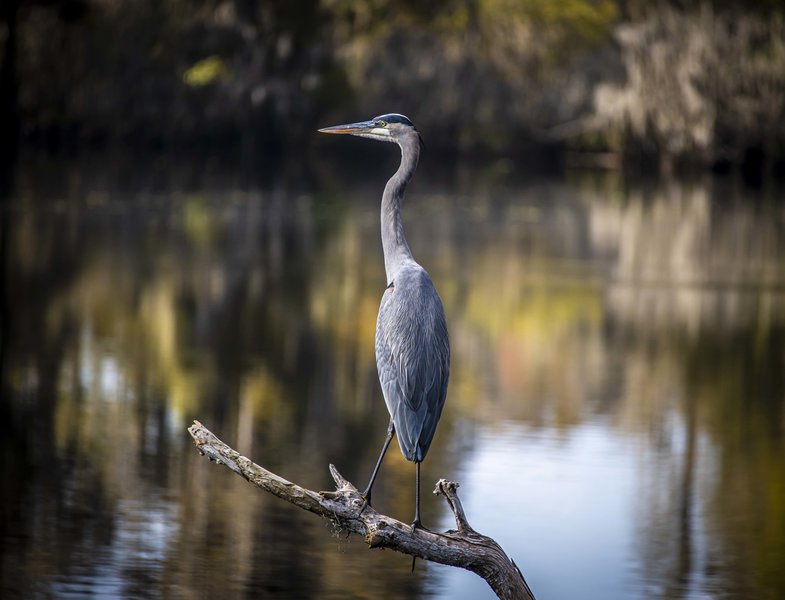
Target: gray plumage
413	358
412	345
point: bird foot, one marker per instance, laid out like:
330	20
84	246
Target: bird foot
366	503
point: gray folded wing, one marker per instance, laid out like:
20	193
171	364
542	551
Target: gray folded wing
413	359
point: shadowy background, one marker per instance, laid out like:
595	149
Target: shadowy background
656	83
600	205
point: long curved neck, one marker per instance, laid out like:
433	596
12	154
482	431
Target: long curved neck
396	250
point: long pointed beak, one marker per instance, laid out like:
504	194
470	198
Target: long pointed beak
350	128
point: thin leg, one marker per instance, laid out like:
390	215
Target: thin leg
367	492
416	523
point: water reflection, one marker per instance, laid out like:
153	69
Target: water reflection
618	362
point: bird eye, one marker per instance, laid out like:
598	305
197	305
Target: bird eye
381	123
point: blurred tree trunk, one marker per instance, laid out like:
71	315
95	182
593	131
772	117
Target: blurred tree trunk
9	117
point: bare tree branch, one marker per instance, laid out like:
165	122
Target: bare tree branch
463	547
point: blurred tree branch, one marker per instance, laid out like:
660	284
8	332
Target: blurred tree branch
463	547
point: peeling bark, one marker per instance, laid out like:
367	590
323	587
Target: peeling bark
463	547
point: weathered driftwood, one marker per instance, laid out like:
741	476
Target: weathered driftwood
463	547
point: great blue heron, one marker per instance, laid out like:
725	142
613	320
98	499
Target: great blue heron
412	346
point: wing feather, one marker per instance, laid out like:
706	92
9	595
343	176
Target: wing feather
413	359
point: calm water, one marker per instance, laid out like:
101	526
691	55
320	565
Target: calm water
616	414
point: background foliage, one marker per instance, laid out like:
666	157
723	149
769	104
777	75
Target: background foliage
670	81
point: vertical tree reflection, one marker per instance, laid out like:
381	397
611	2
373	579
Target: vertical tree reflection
137	304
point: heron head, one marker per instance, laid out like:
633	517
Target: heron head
391	127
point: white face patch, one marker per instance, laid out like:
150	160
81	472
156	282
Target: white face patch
380	131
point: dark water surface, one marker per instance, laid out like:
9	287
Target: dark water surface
616	413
